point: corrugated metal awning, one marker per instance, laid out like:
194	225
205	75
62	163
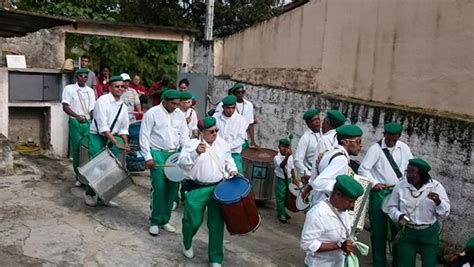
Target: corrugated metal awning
15	23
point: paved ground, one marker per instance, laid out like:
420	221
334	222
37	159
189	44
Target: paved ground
44	222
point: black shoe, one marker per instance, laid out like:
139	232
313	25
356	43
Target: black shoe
282	219
287	216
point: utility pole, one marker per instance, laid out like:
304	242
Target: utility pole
209	20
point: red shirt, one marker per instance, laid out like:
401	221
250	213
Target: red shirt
102	86
139	88
158	88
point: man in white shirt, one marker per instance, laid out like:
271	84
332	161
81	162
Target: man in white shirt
205	162
131	99
245	109
109	126
305	154
334	163
78	102
232	128
417	203
328	141
162	133
326	230
283	163
189	113
384	164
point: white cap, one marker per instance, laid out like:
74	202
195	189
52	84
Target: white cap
125	76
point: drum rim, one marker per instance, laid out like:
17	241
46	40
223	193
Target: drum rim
300	202
228	202
177	167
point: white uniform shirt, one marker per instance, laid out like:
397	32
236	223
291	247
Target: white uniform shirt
305	154
209	167
192	125
322	226
289	166
73	94
376	166
420	210
233	130
131	98
323	184
245	109
105	111
162	130
327	142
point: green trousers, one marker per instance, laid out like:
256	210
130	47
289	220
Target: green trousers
163	191
238	161
245	145
195	206
280	193
96	145
77	133
381	229
423	241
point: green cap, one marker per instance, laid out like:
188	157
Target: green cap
419	163
349	186
116	78
186	95
82	71
171	94
393	128
284	142
229	100
310	113
206	123
470	244
336	117
237	86
350	130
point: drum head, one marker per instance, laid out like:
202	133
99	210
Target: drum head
232	190
300	204
172	171
294	189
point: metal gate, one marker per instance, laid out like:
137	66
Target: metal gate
198	87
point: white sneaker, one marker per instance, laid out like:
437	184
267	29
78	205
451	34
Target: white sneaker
77	183
90	200
111	204
175	205
168	228
215	264
188	253
154	230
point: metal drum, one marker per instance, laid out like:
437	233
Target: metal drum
238	206
258	168
172	171
105	175
84	151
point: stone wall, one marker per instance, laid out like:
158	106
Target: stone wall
445	143
42	49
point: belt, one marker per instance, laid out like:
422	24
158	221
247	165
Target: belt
166	150
190	185
418	226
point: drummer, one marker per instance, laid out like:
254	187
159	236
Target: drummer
189	113
284	170
305	153
335	162
416	203
326	230
163	131
232	128
206	162
384	164
108	128
328	141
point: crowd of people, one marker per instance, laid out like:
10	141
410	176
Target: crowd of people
405	202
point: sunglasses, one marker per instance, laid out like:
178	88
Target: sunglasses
214	131
119	86
82	76
358	141
239	92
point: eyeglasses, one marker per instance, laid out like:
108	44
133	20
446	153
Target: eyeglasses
358	141
82	76
239	92
119	86
214	131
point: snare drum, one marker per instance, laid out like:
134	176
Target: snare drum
291	195
105	175
172	171
238	205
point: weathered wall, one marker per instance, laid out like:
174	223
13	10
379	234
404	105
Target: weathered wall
417	53
445	143
42	49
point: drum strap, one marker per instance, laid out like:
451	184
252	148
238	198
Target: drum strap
339	218
215	159
391	160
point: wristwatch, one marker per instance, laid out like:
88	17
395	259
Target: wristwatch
339	244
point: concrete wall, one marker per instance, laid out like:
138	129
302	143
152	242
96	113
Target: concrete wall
445	143
416	53
42	49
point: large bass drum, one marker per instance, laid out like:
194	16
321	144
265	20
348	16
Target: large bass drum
258	167
105	175
238	205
